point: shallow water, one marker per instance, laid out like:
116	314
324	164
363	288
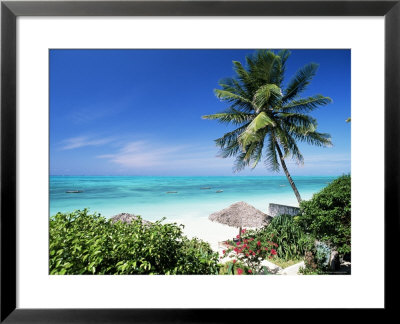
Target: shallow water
147	196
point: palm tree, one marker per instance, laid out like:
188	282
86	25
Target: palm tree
269	120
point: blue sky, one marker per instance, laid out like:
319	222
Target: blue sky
138	112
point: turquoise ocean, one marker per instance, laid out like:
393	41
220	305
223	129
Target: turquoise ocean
148	197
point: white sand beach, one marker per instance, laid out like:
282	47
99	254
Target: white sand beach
207	230
197	224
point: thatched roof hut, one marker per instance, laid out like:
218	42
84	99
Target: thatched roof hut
240	215
127	218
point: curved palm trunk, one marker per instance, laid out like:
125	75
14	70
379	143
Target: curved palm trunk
296	192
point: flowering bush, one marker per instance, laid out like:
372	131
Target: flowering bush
250	251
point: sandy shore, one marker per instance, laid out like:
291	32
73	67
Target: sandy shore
207	230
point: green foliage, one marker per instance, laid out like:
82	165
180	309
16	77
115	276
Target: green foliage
234	267
197	257
327	216
82	243
268	115
291	242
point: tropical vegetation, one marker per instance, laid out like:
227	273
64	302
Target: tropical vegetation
83	243
269	116
327	216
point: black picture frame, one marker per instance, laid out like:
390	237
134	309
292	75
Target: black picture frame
10	10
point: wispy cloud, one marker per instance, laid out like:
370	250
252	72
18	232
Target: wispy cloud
100	110
146	155
318	163
82	141
154	157
327	160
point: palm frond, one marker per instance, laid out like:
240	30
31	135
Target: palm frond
256	157
297	121
263	94
250	134
271	159
229	96
230	136
306	104
230	116
243	76
289	145
240	163
300	81
314	138
261	66
250	150
232	85
231	148
284	55
278	70
228	144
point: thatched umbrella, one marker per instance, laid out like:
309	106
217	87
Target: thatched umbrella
240	215
127	218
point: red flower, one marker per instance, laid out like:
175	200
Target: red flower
239	271
251	238
246	241
247	254
237	236
233	261
223	251
273	252
250	271
243	230
237	243
258	243
254	253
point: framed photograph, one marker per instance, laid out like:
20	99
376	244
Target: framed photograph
164	158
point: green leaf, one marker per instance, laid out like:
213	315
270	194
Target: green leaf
250	134
263	94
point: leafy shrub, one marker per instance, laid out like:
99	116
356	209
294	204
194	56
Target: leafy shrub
290	240
81	243
234	267
327	216
197	257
